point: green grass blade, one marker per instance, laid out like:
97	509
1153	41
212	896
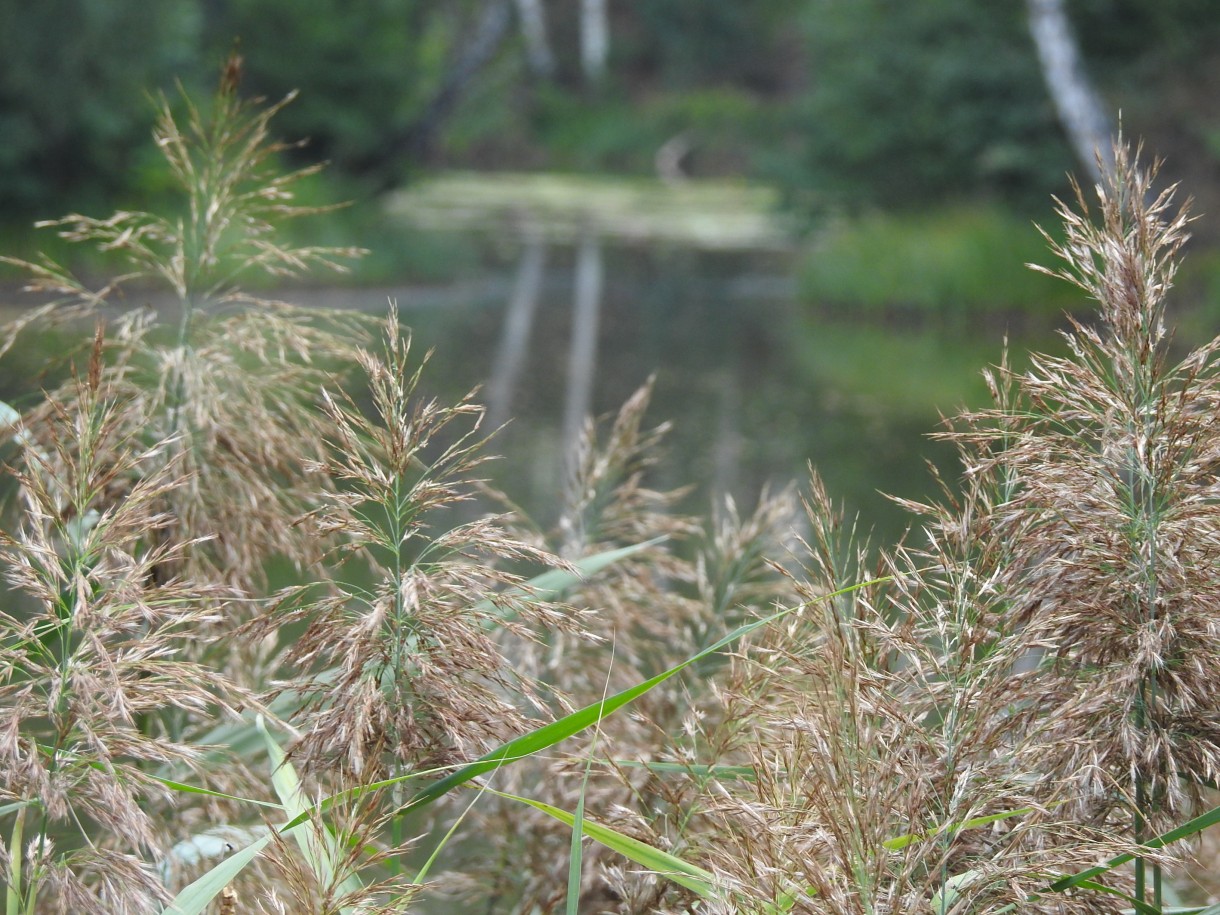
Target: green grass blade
196	897
436	852
944	899
317	845
288	788
1141	908
359	790
12	892
1187	829
659	862
548	735
194	789
576	854
551	584
900	842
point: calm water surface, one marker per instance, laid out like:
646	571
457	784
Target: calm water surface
756	385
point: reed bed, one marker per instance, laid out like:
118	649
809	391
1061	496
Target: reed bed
1013	710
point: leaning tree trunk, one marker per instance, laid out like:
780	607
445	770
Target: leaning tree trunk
1080	109
417	140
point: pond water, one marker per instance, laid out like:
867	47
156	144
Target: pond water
755	384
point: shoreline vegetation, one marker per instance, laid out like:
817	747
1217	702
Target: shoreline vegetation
274	645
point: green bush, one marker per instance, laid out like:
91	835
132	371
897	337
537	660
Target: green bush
957	262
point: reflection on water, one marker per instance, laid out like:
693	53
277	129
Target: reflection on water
755	387
755	384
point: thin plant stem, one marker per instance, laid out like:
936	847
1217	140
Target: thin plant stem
16	844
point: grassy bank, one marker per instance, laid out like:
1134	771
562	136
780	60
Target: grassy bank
947	264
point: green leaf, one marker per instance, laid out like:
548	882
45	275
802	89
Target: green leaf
317	844
359	790
659	862
900	842
576	851
193	899
12	808
946	897
548	735
1187	829
556	581
552	583
194	789
1141	908
576	856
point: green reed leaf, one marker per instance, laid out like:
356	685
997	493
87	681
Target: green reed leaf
196	897
656	861
548	735
900	842
1186	830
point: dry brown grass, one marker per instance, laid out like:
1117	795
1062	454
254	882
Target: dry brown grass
1023	688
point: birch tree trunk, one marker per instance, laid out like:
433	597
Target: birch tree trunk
532	17
594	38
1080	109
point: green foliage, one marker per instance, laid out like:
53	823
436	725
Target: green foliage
1126	41
365	71
915	102
680	45
962	261
72	73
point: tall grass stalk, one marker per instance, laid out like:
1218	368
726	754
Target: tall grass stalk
967	721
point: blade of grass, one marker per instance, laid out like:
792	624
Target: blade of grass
900	842
1187	829
548	735
360	790
575	856
659	862
194	789
317	844
551	584
427	866
196	897
12	892
1141	908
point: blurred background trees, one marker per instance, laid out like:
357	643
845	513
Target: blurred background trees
915	142
844	103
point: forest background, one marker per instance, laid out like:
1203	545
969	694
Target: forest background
843	105
912	145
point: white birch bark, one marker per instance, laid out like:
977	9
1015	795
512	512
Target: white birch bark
594	38
1080	109
532	17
